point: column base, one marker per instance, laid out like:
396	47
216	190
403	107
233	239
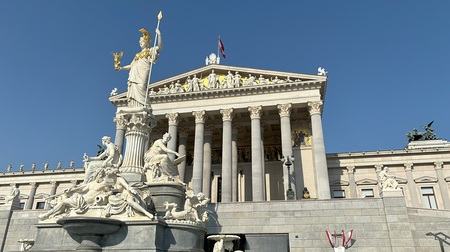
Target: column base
391	193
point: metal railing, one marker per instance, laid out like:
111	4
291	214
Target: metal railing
442	238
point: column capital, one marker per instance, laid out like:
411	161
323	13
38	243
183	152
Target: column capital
173	118
199	116
351	169
33	185
438	165
121	122
378	167
408	166
315	107
255	112
53	183
74	182
209	130
183	131
284	109
227	114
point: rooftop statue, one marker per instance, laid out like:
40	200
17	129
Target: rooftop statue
420	136
140	69
321	71
158	161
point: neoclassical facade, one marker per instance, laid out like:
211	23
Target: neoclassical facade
238	127
235	124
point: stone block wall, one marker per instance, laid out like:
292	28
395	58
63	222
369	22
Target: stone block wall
21	226
379	224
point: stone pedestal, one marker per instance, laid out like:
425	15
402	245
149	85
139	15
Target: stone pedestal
391	193
139	123
170	192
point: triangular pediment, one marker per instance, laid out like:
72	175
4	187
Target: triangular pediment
41	196
367	181
339	183
218	79
426	179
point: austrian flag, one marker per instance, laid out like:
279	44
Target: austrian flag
222	48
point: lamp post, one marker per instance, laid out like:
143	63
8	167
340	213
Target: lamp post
287	161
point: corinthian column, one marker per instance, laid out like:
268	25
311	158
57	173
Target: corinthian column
207	161
139	125
52	192
411	184
258	191
351	180
184	132
443	187
32	194
286	145
197	173
227	117
173	124
318	146
121	125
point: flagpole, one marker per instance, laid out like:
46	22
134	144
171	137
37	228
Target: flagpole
218	43
153	58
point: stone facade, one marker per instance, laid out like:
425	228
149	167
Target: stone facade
235	133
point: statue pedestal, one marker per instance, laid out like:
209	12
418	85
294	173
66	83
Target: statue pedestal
170	192
139	122
391	193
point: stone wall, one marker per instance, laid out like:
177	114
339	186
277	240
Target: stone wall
379	224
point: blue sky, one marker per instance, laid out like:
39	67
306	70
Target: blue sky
388	64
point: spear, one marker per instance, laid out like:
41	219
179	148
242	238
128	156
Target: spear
153	58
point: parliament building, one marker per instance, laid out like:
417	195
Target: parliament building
254	145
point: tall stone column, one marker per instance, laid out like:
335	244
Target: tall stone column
121	125
352	182
411	184
263	161
139	125
443	187
286	145
207	161
258	190
173	124
52	192
197	173
227	117
318	146
30	201
234	163
184	132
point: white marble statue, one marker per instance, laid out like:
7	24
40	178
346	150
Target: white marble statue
237	80
45	166
111	157
212	59
9	168
178	87
33	167
262	80
387	182
140	69
129	198
158	161
72	164
212	80
228	80
195	83
21	168
250	81
14	194
113	92
81	197
321	71
59	166
189	84
194	208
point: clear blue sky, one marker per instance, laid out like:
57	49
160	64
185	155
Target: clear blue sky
388	64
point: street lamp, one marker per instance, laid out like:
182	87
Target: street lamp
287	161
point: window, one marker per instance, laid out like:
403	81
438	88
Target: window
428	198
338	194
40	205
367	192
22	205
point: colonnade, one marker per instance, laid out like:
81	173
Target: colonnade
201	174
